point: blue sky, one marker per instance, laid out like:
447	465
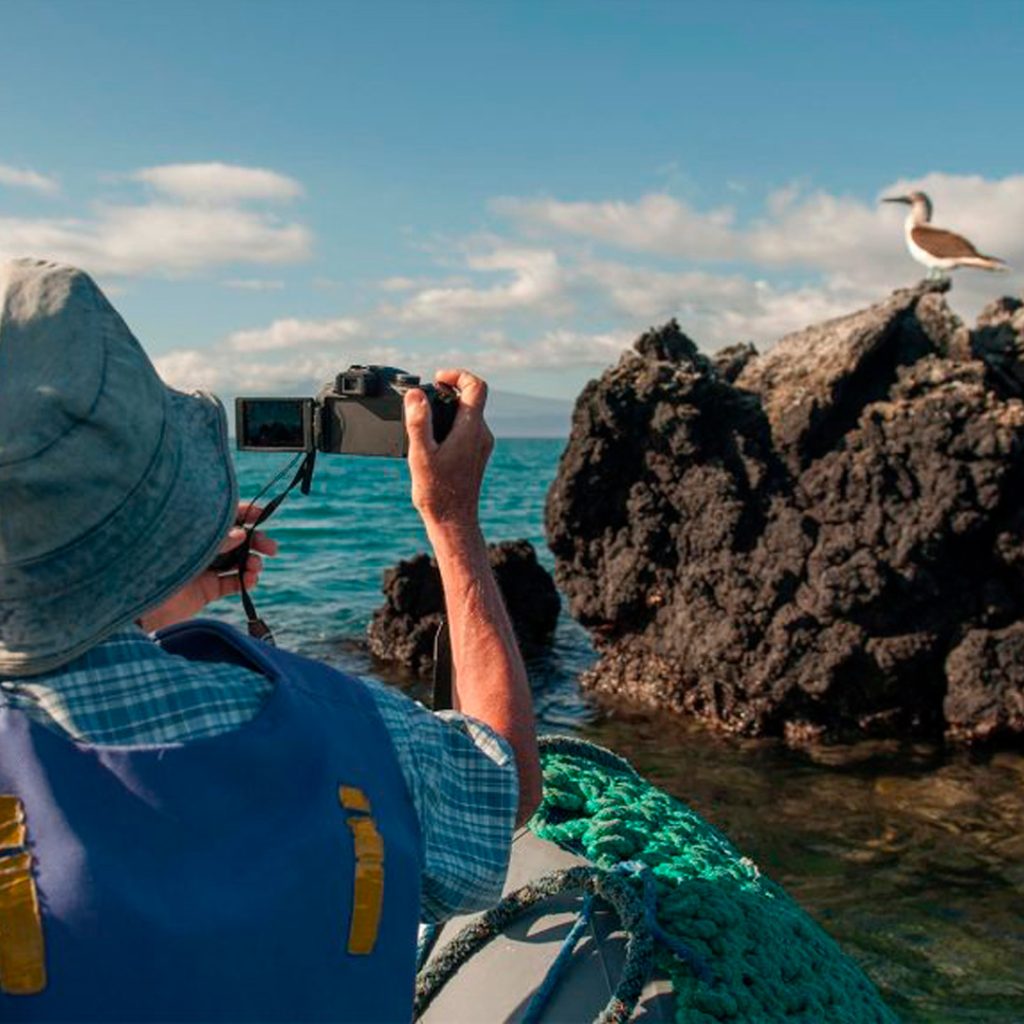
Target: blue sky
268	189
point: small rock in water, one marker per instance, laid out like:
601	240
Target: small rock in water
404	627
825	541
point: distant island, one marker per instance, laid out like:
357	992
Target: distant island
509	414
513	415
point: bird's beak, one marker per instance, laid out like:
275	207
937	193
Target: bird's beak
898	199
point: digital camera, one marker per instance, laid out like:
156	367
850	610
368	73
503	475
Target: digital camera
360	412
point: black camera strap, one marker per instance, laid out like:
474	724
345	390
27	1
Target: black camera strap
258	629
443	670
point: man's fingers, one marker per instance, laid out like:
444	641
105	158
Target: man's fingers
472	390
234	537
228	585
248	512
217	585
263	543
472	395
419	424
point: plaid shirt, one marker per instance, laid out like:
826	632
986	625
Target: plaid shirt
461	775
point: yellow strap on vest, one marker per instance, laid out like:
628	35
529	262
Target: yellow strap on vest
353	799
22	954
368	886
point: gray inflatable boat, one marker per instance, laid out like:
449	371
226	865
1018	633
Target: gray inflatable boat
638	883
498	981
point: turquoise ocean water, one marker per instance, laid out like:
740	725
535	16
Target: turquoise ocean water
912	856
319	593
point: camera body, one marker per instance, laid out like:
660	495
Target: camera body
360	412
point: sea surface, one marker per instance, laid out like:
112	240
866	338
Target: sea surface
910	855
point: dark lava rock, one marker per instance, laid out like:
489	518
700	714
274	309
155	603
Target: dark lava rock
986	683
826	544
403	628
998	340
731	361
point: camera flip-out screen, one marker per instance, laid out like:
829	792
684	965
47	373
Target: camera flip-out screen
275	424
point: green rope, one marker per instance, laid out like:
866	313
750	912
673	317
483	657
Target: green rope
769	963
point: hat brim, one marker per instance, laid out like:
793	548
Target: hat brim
180	541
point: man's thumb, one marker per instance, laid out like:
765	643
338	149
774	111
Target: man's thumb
419	422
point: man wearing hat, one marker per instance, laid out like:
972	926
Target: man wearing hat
195	825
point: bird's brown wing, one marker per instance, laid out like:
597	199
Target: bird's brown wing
943	244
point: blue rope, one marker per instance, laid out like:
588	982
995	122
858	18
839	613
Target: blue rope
542	996
637	869
622	896
425	943
630	869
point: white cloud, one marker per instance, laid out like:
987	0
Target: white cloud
655	223
845	250
859	246
216	182
767	313
17	177
398	284
643	292
191	369
805	256
537	285
291	333
253	284
408	284
555	349
225	373
157	238
200	227
819	232
815	230
717	309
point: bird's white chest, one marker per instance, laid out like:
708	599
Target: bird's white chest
922	255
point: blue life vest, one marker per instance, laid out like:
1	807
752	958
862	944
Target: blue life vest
267	874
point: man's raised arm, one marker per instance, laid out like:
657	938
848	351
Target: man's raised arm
491	683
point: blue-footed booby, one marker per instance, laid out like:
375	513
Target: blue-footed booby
937	248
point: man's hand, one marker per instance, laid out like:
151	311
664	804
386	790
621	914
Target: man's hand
446	477
490	679
209	586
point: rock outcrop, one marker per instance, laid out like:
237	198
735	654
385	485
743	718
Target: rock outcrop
824	541
402	630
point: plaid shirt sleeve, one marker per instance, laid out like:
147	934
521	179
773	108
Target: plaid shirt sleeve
463	782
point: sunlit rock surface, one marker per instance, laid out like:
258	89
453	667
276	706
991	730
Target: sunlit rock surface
823	541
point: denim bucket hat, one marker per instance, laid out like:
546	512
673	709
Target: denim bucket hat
115	489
